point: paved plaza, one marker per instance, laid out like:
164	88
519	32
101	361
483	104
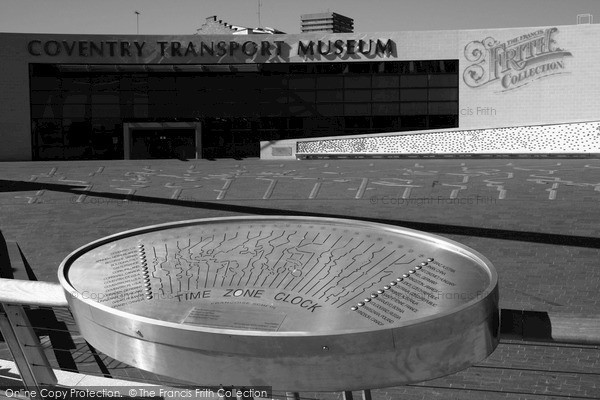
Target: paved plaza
536	220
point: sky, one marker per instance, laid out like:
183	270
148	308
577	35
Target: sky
163	17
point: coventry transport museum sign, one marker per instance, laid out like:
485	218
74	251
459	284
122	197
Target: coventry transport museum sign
238	50
516	62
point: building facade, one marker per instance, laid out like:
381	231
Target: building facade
206	96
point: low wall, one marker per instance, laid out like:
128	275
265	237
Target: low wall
574	138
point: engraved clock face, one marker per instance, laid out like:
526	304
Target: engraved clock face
279	274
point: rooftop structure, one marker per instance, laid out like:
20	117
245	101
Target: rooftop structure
214	26
327	22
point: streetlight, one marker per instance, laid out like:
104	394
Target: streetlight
137	20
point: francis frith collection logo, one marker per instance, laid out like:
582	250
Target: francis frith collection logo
516	62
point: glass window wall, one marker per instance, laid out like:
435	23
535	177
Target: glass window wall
78	111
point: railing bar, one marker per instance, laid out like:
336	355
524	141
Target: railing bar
45	328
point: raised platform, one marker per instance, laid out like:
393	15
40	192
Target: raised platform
572	139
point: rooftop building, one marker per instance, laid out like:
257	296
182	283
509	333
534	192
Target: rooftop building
327	22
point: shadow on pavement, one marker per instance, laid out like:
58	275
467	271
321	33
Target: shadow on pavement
490	233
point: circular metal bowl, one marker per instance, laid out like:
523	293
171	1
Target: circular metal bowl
297	303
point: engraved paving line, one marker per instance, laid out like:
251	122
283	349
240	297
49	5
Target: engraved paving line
504	234
491	177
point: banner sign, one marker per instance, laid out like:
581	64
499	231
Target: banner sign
516	62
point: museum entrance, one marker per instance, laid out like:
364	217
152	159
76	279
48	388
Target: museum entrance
147	140
163	143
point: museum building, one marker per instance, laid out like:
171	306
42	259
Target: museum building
221	95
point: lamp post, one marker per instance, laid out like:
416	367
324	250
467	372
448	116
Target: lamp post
137	21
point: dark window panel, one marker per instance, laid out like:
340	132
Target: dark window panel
48	110
386	109
330	82
105	83
295	123
77	111
105	98
443	80
302	82
272	82
330	109
45	83
106	111
78	133
76	84
413	108
192	97
302	110
357	109
328	96
443	94
413	95
161	97
48	131
75	98
386	81
303	96
271	110
273	96
140	111
386	95
357	81
161	82
243	81
353	96
45	97
413	81
139	83
186	82
43	70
